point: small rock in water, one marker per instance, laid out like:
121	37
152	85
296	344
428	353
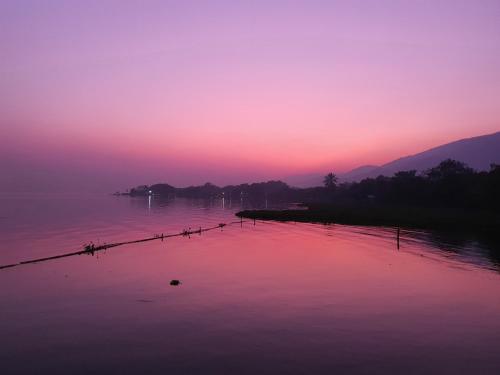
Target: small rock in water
175	282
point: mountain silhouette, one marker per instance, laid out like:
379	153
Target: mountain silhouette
477	152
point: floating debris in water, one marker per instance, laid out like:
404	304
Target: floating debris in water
175	282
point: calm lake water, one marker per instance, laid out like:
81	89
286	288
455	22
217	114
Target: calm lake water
270	298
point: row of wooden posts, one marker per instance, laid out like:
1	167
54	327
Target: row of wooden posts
91	249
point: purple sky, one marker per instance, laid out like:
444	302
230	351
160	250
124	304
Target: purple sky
101	95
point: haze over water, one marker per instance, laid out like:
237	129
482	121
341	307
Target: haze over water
264	299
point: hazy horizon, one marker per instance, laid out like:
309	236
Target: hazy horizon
103	96
360	274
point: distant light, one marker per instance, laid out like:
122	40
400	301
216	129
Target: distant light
150	192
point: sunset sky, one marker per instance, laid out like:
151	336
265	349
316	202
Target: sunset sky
111	94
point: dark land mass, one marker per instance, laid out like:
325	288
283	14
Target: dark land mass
254	193
477	152
450	196
375	215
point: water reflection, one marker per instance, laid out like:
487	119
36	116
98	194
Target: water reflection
40	219
480	251
483	251
264	299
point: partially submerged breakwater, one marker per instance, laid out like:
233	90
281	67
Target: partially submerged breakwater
91	249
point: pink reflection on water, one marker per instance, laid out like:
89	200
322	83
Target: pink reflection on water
266	298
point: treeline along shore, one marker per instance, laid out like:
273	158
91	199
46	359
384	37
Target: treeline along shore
450	196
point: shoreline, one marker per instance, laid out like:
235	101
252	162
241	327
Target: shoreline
450	220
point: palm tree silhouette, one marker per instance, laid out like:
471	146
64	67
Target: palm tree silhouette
330	180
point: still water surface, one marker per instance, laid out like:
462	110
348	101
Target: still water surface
258	299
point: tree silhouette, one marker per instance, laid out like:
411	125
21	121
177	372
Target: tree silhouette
330	180
448	168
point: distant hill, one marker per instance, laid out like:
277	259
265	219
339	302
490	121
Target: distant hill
477	152
357	173
304	180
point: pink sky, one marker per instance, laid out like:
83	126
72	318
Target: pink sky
227	91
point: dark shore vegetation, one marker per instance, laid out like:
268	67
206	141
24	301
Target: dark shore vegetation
450	196
447	219
254	193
